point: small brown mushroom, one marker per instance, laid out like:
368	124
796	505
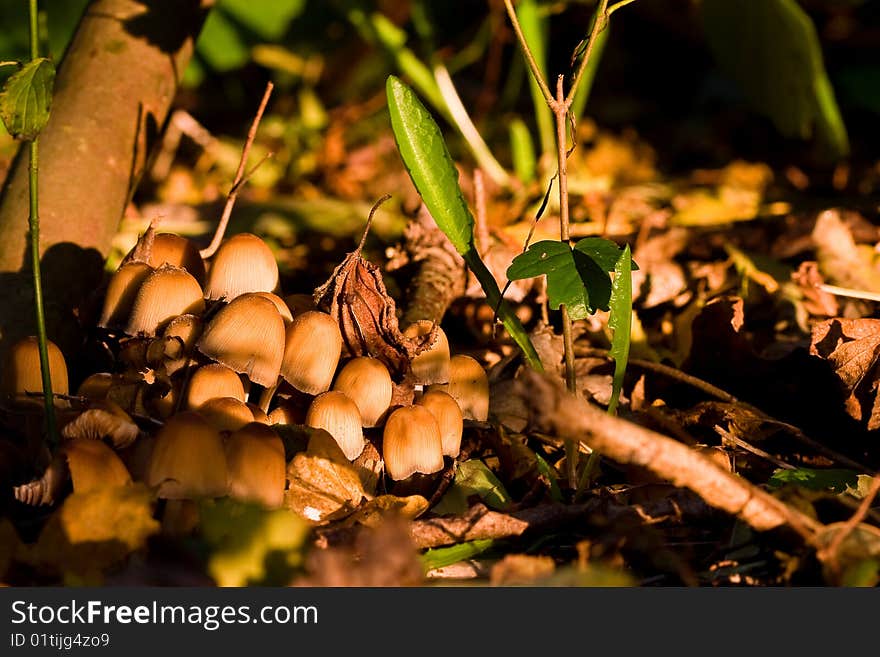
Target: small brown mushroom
411	443
22	374
469	386
166	293
121	293
449	419
432	365
256	469
243	263
367	382
311	353
226	413
248	336
339	416
104	420
93	465
188	459
212	381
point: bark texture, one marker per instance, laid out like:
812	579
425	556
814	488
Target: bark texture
113	92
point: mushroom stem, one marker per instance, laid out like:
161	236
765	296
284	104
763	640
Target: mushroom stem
239	177
266	396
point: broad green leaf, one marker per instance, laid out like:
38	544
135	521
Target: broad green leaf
268	20
472	477
605	252
429	164
446	556
771	50
833	479
434	175
26	99
620	323
221	43
573	277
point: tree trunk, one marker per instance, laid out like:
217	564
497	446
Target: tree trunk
113	92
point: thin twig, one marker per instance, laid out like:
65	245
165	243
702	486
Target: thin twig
527	53
847	292
239	175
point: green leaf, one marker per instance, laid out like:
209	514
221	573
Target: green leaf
573	277
605	252
620	323
535	26
434	175
522	151
472	477
26	99
582	95
834	479
221	43
268	20
446	556
771	50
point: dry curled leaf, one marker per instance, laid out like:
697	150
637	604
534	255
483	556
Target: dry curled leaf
851	347
355	296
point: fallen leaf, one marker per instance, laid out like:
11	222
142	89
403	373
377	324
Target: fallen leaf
521	569
250	544
840	258
94	531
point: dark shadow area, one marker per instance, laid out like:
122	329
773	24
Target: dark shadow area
166	24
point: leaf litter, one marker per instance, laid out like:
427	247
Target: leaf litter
744	443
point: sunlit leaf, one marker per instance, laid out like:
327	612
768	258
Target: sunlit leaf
446	556
434	175
620	323
221	43
771	50
268	20
833	479
522	151
250	544
472	477
26	99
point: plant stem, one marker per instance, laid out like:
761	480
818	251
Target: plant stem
34	228
599	24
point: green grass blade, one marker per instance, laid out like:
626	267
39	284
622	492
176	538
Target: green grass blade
522	151
620	322
434	175
534	27
446	556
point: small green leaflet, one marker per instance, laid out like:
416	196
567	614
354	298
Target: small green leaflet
26	98
430	167
834	479
472	477
620	323
576	277
446	556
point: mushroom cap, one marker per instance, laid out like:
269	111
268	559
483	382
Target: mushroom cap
432	365
21	372
188	459
121	293
95	386
411	443
282	308
367	382
212	381
338	415
247	335
256	467
176	250
243	263
469	386
446	411
312	349
287	412
94	465
226	413
166	293
104	420
187	327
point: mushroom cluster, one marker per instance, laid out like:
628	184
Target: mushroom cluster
216	352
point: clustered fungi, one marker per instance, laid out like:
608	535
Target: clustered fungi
217	354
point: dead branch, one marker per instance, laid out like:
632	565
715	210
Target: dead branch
554	410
